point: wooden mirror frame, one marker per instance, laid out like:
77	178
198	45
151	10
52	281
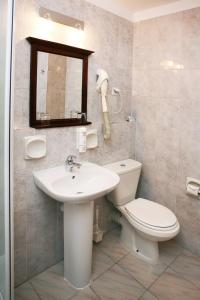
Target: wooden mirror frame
60	49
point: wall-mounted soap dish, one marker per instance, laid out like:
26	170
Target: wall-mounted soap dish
91	139
35	147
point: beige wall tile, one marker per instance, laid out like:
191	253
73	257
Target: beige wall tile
166	103
111	38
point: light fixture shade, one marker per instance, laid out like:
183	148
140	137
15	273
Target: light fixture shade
60	18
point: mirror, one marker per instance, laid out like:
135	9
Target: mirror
58	85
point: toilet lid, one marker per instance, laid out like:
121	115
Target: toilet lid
150	213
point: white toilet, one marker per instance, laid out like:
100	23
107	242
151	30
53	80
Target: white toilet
144	222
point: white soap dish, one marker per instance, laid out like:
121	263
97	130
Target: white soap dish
35	147
91	139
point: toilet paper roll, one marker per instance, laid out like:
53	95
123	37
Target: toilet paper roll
193	189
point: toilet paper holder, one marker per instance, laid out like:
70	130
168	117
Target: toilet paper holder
193	186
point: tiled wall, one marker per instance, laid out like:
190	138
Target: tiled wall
166	87
37	219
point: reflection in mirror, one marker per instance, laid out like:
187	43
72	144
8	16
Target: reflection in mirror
59	86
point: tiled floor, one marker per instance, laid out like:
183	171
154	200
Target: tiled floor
119	275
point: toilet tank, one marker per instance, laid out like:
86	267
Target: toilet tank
129	172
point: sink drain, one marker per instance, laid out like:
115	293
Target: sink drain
79	192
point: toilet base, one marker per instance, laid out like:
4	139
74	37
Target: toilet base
135	242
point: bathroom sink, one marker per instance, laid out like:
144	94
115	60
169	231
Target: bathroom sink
77	190
82	185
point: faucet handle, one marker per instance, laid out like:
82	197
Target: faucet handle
70	159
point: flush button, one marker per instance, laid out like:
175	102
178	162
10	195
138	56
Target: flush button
123	165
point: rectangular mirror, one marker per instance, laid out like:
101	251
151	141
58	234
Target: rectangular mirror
58	85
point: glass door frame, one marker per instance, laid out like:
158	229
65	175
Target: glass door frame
6	15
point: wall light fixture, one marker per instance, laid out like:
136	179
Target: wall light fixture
60	18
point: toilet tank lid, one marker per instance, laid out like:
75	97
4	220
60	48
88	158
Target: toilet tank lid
124	166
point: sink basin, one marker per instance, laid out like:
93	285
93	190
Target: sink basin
77	190
85	184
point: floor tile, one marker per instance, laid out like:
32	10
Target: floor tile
51	286
145	273
86	294
101	262
188	253
169	251
116	284
58	269
120	275
148	296
188	266
111	245
171	286
26	292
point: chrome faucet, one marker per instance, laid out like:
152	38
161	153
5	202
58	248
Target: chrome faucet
71	163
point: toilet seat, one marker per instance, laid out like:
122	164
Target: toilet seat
150	216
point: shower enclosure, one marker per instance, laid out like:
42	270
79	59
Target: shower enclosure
6	8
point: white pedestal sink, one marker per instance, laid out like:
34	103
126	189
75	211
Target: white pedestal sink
78	190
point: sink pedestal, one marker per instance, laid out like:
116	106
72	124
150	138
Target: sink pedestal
77	191
78	236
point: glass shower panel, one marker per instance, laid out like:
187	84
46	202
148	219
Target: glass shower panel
6	7
2	232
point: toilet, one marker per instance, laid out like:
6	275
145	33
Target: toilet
144	222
